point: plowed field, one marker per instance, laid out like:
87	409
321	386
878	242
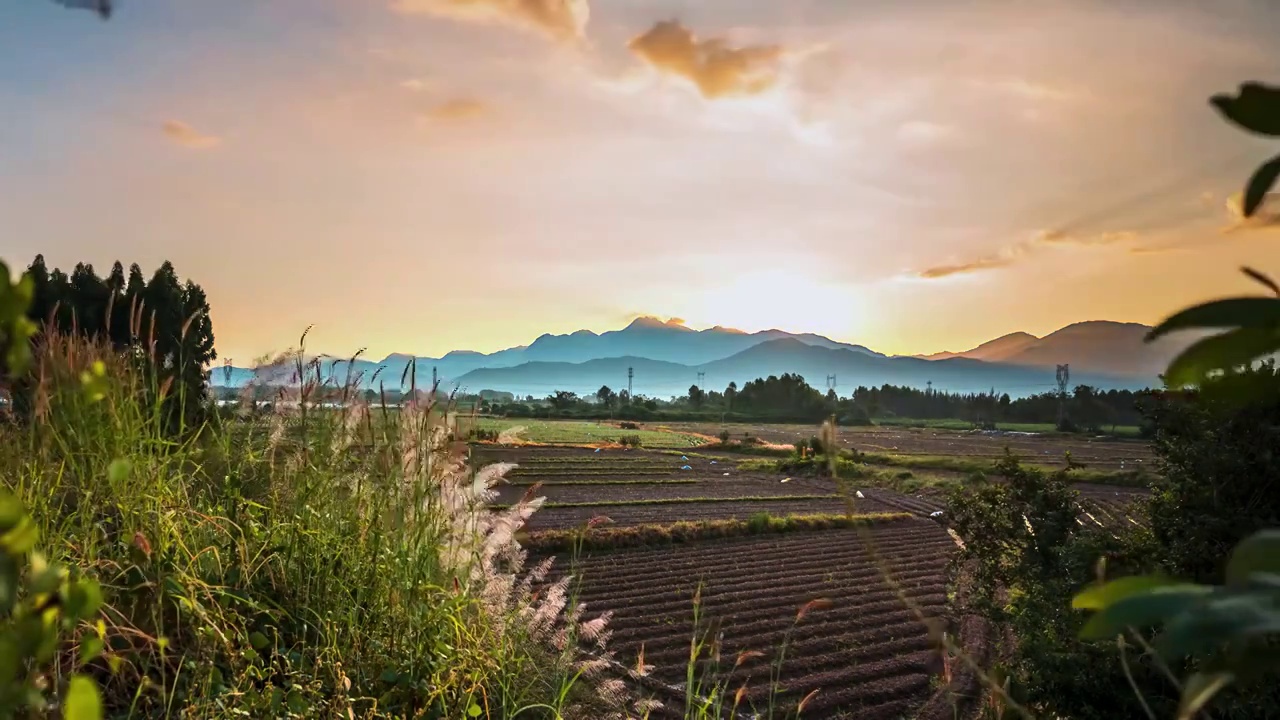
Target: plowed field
865	651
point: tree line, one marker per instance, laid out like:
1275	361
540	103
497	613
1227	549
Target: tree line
789	398
162	321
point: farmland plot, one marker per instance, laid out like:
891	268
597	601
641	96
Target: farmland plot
850	608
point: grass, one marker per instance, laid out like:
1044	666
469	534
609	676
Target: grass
259	568
579	432
608	538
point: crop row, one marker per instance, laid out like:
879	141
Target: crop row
861	646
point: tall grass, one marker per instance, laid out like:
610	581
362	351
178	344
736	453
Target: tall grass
301	563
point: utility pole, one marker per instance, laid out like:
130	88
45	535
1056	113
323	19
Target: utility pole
631	373
1064	377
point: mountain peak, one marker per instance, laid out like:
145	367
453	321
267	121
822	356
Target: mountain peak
649	322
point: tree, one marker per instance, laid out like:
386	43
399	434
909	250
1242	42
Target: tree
606	396
165	323
730	394
696	396
562	399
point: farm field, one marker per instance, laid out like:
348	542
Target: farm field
965	426
858	652
1101	454
579	432
853	647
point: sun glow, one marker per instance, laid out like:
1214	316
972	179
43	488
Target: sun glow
776	299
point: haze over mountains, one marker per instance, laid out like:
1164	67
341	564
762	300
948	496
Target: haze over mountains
666	357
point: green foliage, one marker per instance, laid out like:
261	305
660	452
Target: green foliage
1024	552
629	441
162	324
15	328
286	565
1217	465
43	607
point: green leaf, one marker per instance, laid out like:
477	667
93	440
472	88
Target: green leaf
10	660
474	710
1256	108
257	640
1259	185
1230	349
295	701
83	701
11	510
21	537
8	583
1229	617
1199	690
83	599
1229	313
1099	596
1143	609
90	649
1258	553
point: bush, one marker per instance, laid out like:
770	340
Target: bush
629	441
724	437
628	426
1024	555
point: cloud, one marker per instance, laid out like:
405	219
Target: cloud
675	321
988	263
922	133
1040	241
714	67
1025	89
185	135
1266	217
563	20
414	84
459	109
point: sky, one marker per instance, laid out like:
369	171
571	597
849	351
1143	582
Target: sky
428	175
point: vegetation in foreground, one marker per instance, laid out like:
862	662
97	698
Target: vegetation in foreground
268	570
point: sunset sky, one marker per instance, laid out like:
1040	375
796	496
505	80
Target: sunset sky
427	175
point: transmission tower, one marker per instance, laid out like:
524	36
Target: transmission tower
831	382
1064	377
702	377
631	373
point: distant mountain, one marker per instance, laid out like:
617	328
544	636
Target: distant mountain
645	337
992	350
1099	346
775	357
667	357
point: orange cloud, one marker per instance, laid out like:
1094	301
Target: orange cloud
1018	251
717	69
1267	215
458	109
560	19
187	136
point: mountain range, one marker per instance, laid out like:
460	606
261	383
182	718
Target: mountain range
666	358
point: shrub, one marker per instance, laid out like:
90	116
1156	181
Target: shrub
628	426
629	441
724	437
